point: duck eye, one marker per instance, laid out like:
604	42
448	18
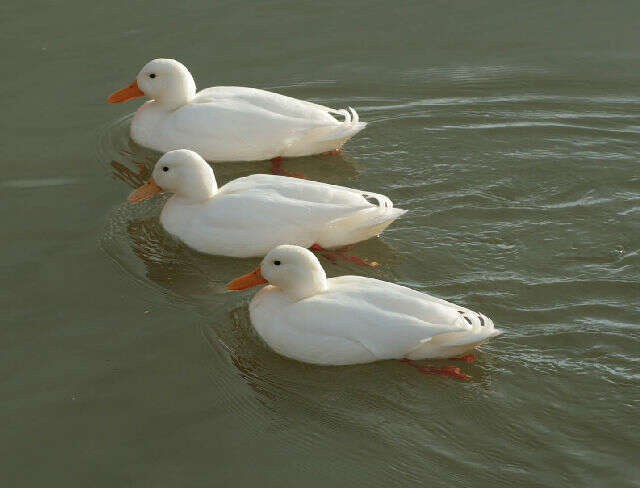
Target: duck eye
277	263
165	168
152	75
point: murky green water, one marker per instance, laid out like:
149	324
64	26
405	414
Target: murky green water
512	135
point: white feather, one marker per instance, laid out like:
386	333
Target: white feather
251	215
353	319
229	123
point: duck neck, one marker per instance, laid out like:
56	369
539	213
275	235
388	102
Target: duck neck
199	192
172	102
179	94
307	287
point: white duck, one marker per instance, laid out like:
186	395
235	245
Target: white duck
251	215
352	319
229	123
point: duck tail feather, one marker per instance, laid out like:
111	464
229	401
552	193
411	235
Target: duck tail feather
351	117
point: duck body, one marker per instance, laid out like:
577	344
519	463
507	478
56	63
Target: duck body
354	319
360	320
229	123
249	216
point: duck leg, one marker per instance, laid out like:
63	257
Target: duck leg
469	358
330	255
444	371
333	256
333	153
277	169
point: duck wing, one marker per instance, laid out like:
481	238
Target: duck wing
372	319
362	319
275	103
310	198
250	216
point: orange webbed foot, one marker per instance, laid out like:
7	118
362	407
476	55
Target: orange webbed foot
469	358
333	256
444	371
277	169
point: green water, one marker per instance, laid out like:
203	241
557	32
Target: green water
510	130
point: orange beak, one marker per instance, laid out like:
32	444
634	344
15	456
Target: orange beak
145	191
247	281
127	93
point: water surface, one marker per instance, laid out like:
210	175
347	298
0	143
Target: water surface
511	133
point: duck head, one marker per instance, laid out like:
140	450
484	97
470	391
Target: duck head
166	81
182	172
294	269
